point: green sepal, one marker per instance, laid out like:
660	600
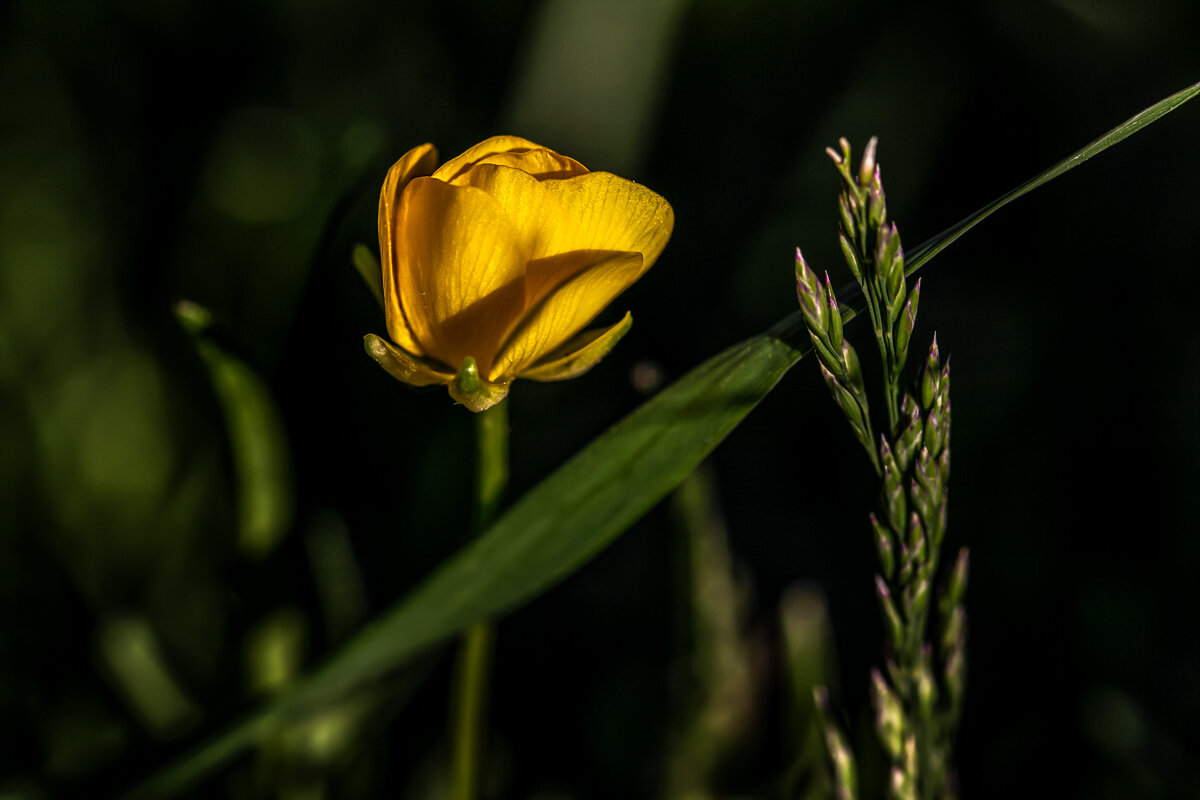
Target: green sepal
579	353
470	389
403	365
467	379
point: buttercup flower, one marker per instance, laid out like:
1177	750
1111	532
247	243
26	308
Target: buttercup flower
495	261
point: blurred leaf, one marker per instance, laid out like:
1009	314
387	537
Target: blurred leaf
256	437
131	653
369	270
580	509
716	695
336	575
808	664
274	650
593	73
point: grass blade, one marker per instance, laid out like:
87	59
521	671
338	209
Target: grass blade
927	250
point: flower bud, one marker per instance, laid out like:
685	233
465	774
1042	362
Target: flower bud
809	293
502	256
866	167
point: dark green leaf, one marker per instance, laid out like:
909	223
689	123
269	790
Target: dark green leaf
257	441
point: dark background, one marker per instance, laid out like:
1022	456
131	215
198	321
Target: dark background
231	154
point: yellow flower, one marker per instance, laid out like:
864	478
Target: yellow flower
494	262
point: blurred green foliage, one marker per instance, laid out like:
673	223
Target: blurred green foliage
230	154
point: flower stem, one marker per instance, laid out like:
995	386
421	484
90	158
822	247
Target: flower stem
469	704
491	477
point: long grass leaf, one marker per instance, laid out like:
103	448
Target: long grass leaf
929	249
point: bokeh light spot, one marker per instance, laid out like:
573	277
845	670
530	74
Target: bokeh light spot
264	166
362	140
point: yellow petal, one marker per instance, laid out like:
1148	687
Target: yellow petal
572	288
534	212
555	218
579	354
401	365
459	270
542	164
488	147
606	212
417	162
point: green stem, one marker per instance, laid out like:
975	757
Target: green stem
469	701
470	705
492	472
